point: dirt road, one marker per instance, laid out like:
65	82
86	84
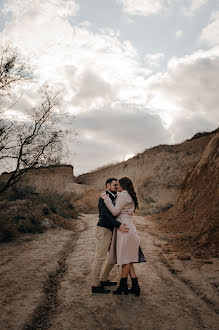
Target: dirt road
46	283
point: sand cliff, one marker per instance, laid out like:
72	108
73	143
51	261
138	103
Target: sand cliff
196	211
157	173
56	178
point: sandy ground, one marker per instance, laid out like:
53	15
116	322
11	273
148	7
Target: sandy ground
45	282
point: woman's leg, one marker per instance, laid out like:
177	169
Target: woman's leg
132	271
125	270
123	286
135	286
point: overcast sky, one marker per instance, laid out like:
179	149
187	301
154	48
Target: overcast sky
134	73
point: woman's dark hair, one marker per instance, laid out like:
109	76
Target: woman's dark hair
127	184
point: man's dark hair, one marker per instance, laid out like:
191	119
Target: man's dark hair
110	180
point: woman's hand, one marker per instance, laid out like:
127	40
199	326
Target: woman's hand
104	196
123	228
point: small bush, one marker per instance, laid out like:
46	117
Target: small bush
23	229
30	226
53	209
7	234
18	192
17	218
33	220
54	204
64	215
45	211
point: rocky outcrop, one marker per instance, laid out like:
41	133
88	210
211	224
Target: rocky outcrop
157	173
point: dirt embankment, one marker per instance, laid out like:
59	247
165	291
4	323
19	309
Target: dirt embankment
46	284
54	178
157	174
196	212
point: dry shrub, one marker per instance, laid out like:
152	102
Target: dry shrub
22	216
17	217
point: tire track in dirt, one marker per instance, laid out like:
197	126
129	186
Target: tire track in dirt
43	312
189	284
177	274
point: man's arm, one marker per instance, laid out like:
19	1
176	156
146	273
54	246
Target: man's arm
104	213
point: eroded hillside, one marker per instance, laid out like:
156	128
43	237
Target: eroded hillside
158	173
196	212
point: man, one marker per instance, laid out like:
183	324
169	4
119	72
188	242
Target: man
103	233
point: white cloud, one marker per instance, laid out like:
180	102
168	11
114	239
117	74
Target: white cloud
141	7
73	58
179	33
111	134
210	34
183	126
93	91
187	92
155	7
192	6
40	11
154	59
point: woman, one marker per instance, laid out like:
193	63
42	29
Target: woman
125	248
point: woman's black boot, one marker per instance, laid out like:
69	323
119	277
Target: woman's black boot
135	287
123	287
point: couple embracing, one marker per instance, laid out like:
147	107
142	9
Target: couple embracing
116	236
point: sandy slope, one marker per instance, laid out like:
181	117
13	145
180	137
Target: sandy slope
196	211
45	283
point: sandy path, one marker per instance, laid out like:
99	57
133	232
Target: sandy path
171	298
165	302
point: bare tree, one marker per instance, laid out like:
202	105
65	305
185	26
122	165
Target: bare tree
13	69
32	143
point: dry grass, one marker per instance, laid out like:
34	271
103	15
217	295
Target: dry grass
22	210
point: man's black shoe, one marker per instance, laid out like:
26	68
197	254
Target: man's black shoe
99	289
108	283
